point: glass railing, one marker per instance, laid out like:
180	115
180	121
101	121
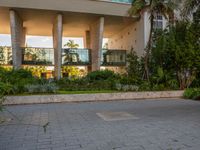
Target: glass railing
113	57
72	56
45	56
122	1
118	1
37	56
5	55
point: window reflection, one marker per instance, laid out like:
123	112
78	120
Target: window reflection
75	56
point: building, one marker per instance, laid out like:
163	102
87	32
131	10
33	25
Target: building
92	20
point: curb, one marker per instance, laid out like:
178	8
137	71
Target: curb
41	99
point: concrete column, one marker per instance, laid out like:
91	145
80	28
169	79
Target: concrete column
87	39
57	44
23	37
87	45
17	38
96	40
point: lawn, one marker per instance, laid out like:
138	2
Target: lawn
86	92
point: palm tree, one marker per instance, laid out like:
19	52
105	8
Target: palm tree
69	54
189	7
163	7
71	44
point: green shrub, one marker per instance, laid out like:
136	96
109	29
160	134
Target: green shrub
129	80
192	93
17	78
145	86
84	84
102	75
173	84
41	88
158	87
6	88
98	80
135	67
196	82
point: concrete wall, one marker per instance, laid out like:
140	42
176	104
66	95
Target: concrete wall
134	36
87	39
86	6
131	37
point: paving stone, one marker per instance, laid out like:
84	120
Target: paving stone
114	116
169	124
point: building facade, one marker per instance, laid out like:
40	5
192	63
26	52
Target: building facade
93	20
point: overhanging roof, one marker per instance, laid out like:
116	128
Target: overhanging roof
40	22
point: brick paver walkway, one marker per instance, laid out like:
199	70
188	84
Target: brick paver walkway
156	125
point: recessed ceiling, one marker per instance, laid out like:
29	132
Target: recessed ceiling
40	22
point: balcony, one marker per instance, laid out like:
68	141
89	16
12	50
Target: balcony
83	57
5	55
76	56
113	57
37	56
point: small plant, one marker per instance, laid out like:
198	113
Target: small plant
192	93
71	72
145	86
41	88
102	75
126	87
5	88
36	70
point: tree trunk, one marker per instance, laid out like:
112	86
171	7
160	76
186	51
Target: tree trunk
148	49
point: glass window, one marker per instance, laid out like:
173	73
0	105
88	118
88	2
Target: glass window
158	21
72	56
113	57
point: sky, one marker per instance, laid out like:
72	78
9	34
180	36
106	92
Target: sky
42	41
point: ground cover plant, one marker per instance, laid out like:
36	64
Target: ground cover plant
192	93
173	64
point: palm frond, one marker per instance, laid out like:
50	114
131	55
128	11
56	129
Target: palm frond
137	7
189	7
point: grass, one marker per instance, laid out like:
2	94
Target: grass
86	92
68	92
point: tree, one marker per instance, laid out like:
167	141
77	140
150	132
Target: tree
135	66
181	45
189	7
71	44
197	16
71	55
163	7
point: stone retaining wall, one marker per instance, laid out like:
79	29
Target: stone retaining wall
37	99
